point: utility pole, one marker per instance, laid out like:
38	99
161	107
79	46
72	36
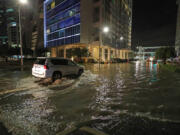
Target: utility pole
21	2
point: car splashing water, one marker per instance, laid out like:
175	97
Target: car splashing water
102	92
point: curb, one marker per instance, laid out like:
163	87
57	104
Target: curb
67	131
85	129
92	131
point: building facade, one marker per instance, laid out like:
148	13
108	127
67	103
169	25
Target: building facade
177	44
3	26
37	27
79	24
8	23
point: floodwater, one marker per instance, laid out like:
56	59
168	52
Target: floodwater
108	93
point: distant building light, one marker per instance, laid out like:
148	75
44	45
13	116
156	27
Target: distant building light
13	24
53	5
48	31
11	18
71	13
121	38
3	37
10	10
151	58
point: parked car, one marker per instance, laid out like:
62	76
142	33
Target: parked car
55	68
159	61
117	60
113	60
176	60
169	60
91	60
85	60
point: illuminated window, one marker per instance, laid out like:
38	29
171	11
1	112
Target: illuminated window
10	10
61	7
13	24
62	22
52	5
48	31
64	15
11	19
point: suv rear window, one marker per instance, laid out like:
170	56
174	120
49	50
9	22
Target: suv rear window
40	61
59	62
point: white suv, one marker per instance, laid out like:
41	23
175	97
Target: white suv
55	68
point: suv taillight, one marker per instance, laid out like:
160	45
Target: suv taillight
46	67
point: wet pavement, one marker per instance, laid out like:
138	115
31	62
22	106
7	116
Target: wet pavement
128	99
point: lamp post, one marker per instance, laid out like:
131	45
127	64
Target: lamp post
105	30
121	39
21	2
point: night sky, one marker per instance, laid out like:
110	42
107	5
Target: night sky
154	22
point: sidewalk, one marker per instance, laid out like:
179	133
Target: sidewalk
15	64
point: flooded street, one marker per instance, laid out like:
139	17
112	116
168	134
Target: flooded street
107	96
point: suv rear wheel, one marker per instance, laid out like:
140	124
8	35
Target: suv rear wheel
56	76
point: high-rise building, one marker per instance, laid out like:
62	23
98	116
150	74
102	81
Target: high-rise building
37	29
8	23
3	26
177	44
72	24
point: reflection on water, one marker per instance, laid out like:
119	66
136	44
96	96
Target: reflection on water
131	88
153	68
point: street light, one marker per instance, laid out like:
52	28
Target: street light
121	39
21	2
104	30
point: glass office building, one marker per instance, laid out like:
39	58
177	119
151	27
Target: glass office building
177	44
70	24
3	24
8	23
61	22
